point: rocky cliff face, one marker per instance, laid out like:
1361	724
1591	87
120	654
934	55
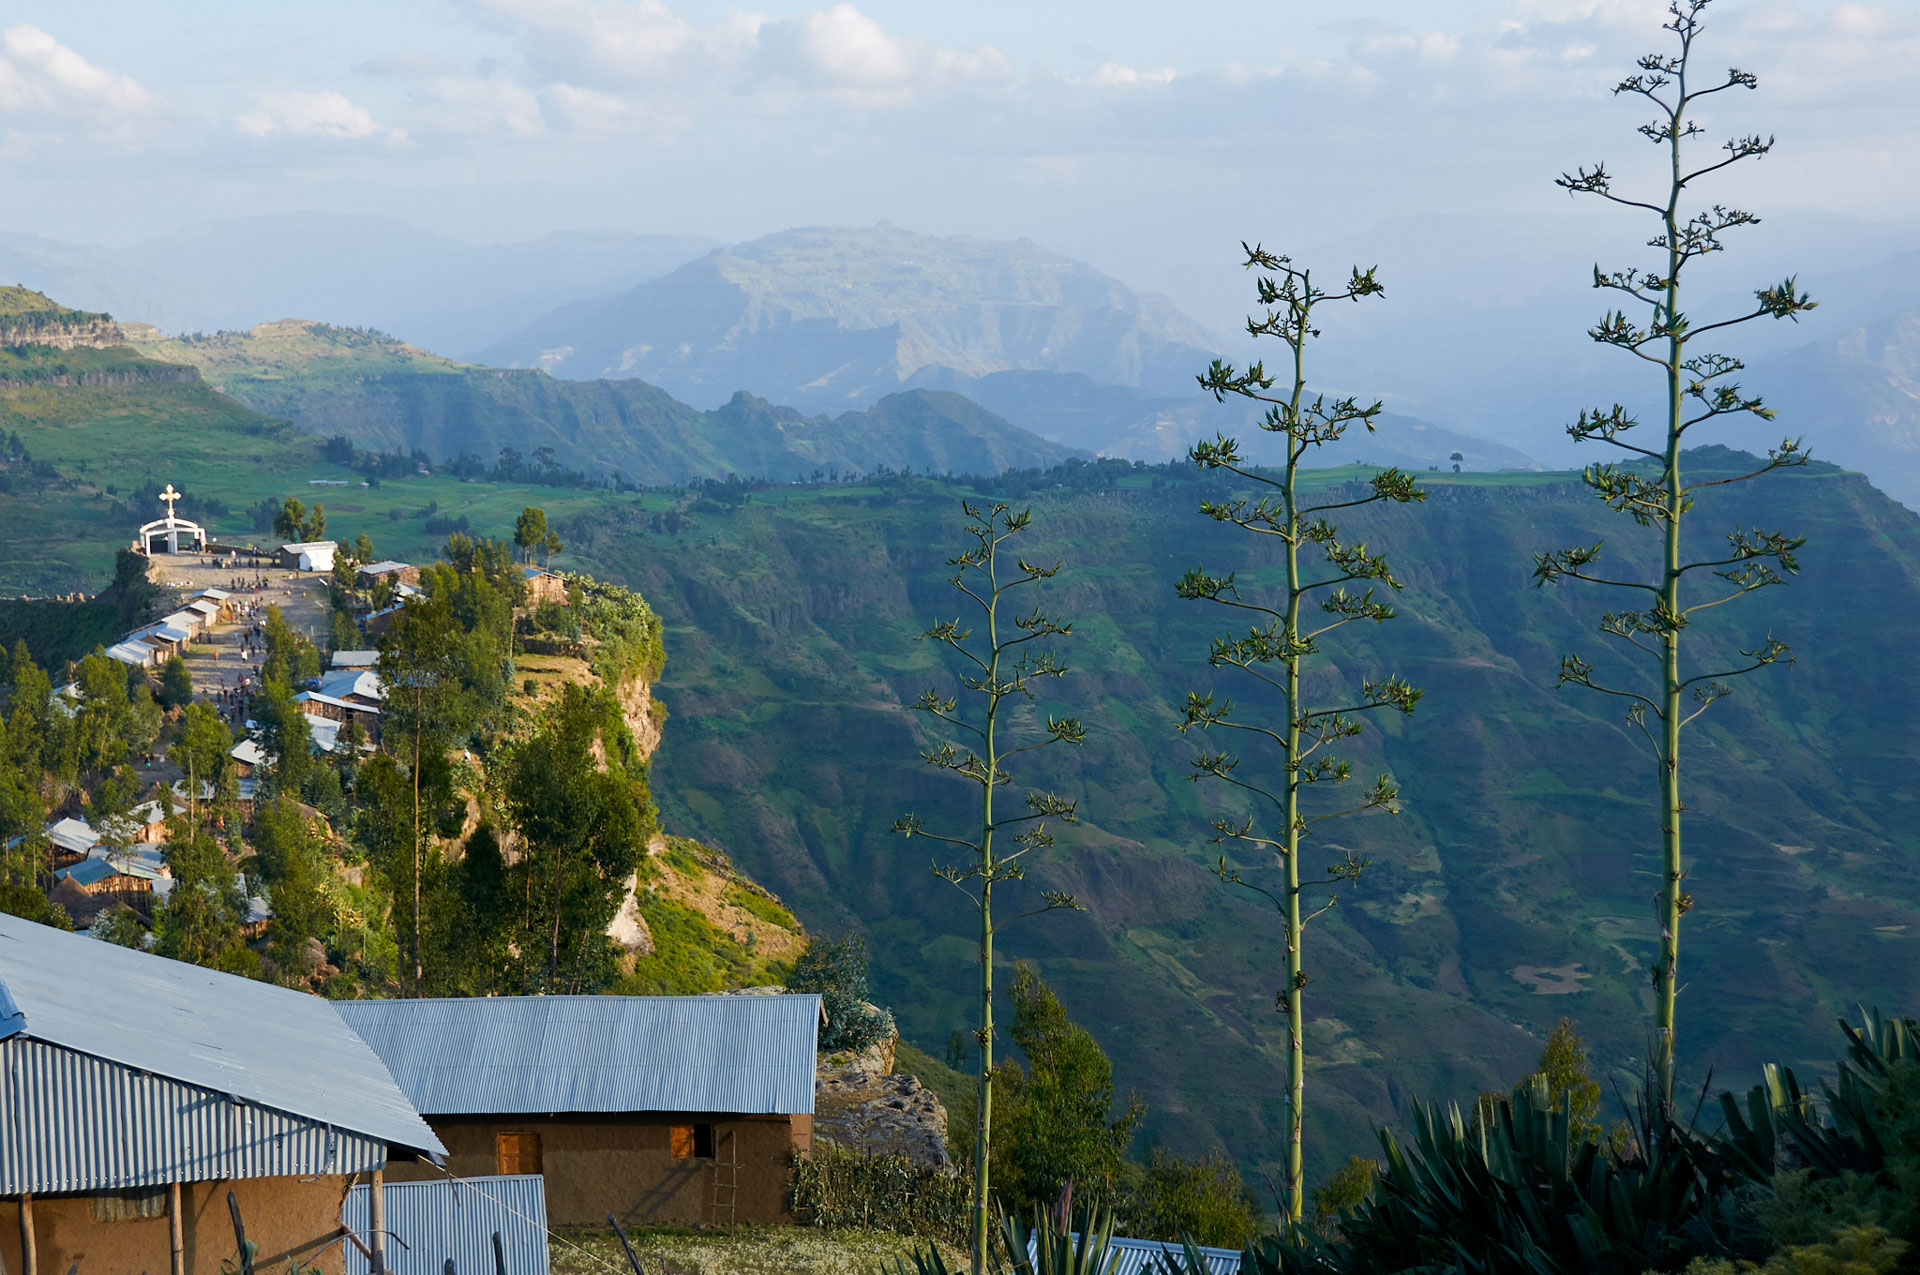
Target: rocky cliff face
95	332
643	715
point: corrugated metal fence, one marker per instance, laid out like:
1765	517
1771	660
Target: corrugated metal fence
456	1219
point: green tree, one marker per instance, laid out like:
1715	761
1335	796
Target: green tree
1346	1189
550	545
1286	630
291	657
1650	489
200	921
176	684
837	970
298	524
119	925
1202	1199
285	737
420	665
290	861
999	672
290	523
530	530
104	724
201	750
1563	1069
1060	1125
585	823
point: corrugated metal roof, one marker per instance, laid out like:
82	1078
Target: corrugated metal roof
355	659
73	835
525	1054
455	1220
269	1045
1144	1257
75	1122
1141	1257
95	869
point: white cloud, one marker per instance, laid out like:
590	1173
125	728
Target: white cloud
326	114
592	111
40	77
635	47
1115	75
481	107
607	43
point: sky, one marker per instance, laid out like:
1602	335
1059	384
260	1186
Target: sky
1148	138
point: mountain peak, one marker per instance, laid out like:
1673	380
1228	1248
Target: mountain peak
834	317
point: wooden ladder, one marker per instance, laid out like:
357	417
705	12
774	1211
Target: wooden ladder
726	1178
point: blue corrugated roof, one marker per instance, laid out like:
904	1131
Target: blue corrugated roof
1141	1257
550	1054
1144	1257
272	1046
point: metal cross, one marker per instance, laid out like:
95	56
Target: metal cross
169	496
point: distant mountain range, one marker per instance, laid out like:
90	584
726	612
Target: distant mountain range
384	394
351	270
828	318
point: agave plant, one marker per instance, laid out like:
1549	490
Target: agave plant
1519	1193
1780	1125
1053	1245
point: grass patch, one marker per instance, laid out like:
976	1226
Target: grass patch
762	906
749	1250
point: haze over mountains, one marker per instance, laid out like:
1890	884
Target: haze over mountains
1487	359
356	271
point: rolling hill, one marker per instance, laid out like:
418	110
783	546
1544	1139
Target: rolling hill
829	318
384	394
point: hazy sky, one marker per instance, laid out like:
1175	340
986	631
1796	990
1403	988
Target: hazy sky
1142	136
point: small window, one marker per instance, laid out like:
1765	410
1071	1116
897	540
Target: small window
691	1141
517	1152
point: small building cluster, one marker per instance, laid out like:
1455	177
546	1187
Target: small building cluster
151	645
173	1116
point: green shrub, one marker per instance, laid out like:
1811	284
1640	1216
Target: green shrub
838	1188
837	970
1203	1199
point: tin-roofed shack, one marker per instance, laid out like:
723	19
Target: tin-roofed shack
159	1088
657	1109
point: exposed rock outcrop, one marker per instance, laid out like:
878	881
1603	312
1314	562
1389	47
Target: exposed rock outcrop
880	1114
95	332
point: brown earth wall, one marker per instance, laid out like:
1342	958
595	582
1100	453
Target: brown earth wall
286	1217
621	1164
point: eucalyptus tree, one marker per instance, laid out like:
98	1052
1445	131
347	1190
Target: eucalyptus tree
1649	488
1000	668
1286	627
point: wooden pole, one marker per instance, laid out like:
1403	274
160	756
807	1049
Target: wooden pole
29	1252
176	1229
377	1210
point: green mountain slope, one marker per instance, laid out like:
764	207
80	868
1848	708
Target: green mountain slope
98	423
1116	420
834	317
385	394
1515	889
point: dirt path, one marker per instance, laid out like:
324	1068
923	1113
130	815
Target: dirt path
225	661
